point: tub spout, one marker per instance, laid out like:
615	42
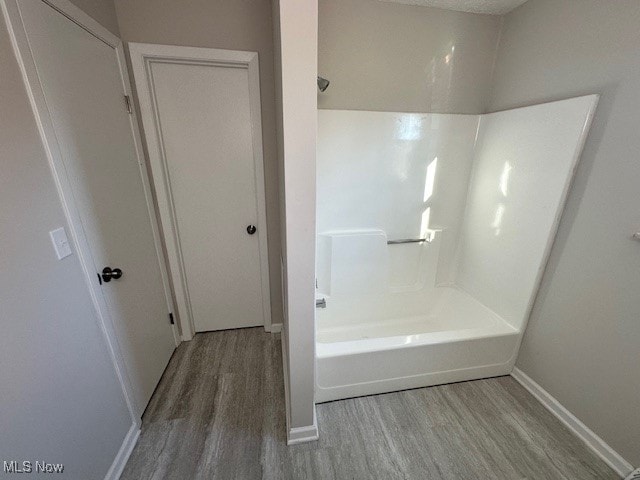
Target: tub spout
321	303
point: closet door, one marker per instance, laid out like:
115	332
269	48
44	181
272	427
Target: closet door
201	115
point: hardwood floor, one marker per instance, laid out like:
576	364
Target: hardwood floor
218	413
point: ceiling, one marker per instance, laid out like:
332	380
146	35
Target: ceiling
492	7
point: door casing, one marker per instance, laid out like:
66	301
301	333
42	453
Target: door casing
11	11
143	53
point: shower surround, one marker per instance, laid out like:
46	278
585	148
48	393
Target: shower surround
433	233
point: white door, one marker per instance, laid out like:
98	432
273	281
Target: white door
84	94
203	132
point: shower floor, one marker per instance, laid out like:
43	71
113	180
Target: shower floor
460	339
453	310
385	328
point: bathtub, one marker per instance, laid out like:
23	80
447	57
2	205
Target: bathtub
457	339
433	234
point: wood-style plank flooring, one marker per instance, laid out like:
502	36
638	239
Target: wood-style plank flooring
218	413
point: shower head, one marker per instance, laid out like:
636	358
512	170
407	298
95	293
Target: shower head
323	84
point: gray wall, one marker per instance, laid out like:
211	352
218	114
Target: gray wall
226	24
392	57
582	343
103	11
60	399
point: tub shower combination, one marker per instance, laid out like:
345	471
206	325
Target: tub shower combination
433	234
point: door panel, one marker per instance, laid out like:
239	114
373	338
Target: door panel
205	121
83	89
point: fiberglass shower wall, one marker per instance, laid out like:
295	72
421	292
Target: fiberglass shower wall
385	176
523	166
484	191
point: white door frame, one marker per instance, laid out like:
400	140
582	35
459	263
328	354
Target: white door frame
142	54
17	32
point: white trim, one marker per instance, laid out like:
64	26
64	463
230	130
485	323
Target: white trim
20	42
284	343
77	16
124	453
146	184
593	441
305	434
296	435
276	328
141	55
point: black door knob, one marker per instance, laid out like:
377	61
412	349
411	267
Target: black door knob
108	273
251	229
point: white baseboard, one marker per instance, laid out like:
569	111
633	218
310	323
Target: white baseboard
295	435
123	454
285	374
304	434
593	441
276	328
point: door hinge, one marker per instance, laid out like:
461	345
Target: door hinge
171	319
127	102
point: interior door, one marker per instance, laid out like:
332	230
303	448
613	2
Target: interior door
204	125
84	93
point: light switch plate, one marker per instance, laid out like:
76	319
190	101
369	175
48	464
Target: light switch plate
60	242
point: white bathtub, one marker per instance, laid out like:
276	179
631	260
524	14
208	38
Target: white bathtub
485	192
365	353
